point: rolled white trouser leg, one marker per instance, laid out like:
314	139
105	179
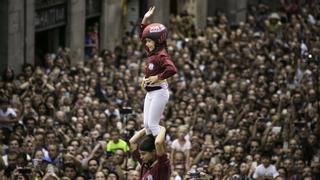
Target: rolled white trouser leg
159	99
146	107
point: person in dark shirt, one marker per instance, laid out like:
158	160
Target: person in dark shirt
158	68
151	155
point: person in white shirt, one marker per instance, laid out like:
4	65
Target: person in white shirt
266	170
182	143
8	116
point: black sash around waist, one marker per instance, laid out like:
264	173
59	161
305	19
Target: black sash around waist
152	88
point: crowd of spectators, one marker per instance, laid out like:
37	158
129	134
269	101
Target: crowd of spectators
244	104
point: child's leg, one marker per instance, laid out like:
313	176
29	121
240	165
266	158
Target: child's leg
146	108
157	106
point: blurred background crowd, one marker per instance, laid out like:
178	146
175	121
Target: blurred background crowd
244	95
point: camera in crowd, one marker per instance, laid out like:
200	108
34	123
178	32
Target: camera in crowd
194	174
24	170
307	55
126	110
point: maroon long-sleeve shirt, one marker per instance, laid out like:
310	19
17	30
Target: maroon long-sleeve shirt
158	63
159	171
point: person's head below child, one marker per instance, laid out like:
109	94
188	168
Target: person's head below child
147	149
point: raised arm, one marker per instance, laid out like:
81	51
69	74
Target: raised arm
91	155
135	139
146	17
146	20
160	140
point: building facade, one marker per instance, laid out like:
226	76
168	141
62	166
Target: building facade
32	28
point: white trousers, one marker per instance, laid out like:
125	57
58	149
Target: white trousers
154	104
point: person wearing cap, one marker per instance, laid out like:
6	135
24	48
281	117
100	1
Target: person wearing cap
273	23
158	68
151	155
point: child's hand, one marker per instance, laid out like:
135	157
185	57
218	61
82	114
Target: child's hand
152	79
150	12
148	15
142	83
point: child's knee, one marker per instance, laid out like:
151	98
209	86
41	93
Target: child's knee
155	129
148	131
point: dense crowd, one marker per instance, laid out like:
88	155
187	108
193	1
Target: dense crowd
244	103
